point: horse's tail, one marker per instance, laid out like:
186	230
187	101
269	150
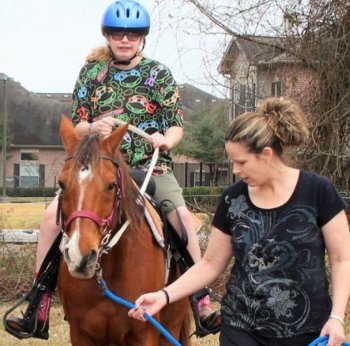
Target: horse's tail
185	330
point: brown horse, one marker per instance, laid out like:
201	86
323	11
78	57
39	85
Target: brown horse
98	195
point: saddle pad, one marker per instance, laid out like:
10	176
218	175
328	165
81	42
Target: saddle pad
155	217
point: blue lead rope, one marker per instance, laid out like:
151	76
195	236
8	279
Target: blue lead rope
323	341
129	305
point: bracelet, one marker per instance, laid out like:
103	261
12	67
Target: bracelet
336	317
90	128
166	295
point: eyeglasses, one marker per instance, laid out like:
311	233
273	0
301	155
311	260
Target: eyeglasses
131	36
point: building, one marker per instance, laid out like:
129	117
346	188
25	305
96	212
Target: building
260	66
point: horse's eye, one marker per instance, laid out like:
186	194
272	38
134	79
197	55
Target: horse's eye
61	185
111	186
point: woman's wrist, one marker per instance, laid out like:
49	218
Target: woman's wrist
336	317
166	296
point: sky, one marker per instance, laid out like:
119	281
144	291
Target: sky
43	43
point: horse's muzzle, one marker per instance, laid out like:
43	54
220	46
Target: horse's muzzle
79	265
85	269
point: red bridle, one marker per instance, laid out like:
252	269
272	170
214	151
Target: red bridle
104	225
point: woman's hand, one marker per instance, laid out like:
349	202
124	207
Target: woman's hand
151	303
335	331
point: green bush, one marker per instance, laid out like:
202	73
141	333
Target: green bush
31	192
203	191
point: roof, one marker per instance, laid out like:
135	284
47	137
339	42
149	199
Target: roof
258	50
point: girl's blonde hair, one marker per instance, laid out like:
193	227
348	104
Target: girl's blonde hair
102	53
278	122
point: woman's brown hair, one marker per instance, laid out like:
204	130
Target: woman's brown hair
278	122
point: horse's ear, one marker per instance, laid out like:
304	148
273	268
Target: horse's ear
69	137
112	143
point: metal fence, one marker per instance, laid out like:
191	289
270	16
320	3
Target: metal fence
203	174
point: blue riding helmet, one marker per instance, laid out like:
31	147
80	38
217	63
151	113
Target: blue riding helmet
126	15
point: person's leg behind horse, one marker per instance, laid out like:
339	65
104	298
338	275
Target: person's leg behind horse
174	207
48	233
187	221
167	188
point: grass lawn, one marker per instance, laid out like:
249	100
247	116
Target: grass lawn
21	215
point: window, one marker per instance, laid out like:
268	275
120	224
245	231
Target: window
29	169
250	97
222	178
196	178
276	89
244	97
235	93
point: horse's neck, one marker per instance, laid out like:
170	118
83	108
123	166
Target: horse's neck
135	254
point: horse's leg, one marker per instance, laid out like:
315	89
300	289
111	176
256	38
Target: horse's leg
80	339
82	335
146	337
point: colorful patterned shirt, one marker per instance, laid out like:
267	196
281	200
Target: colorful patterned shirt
146	96
278	285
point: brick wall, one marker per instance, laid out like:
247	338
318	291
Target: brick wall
298	82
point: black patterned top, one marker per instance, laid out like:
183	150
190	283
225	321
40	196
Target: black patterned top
278	285
146	96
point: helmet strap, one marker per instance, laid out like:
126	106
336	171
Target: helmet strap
122	62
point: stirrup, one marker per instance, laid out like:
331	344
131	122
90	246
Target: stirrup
46	281
202	329
30	317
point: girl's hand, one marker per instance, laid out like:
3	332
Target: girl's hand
104	127
158	141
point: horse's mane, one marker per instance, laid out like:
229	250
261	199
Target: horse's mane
89	153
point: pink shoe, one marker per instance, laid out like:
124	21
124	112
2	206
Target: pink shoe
204	308
45	305
210	319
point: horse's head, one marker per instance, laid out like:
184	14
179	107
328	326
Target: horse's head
96	192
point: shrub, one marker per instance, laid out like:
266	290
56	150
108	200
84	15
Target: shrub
31	192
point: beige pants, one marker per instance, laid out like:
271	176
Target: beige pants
167	188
